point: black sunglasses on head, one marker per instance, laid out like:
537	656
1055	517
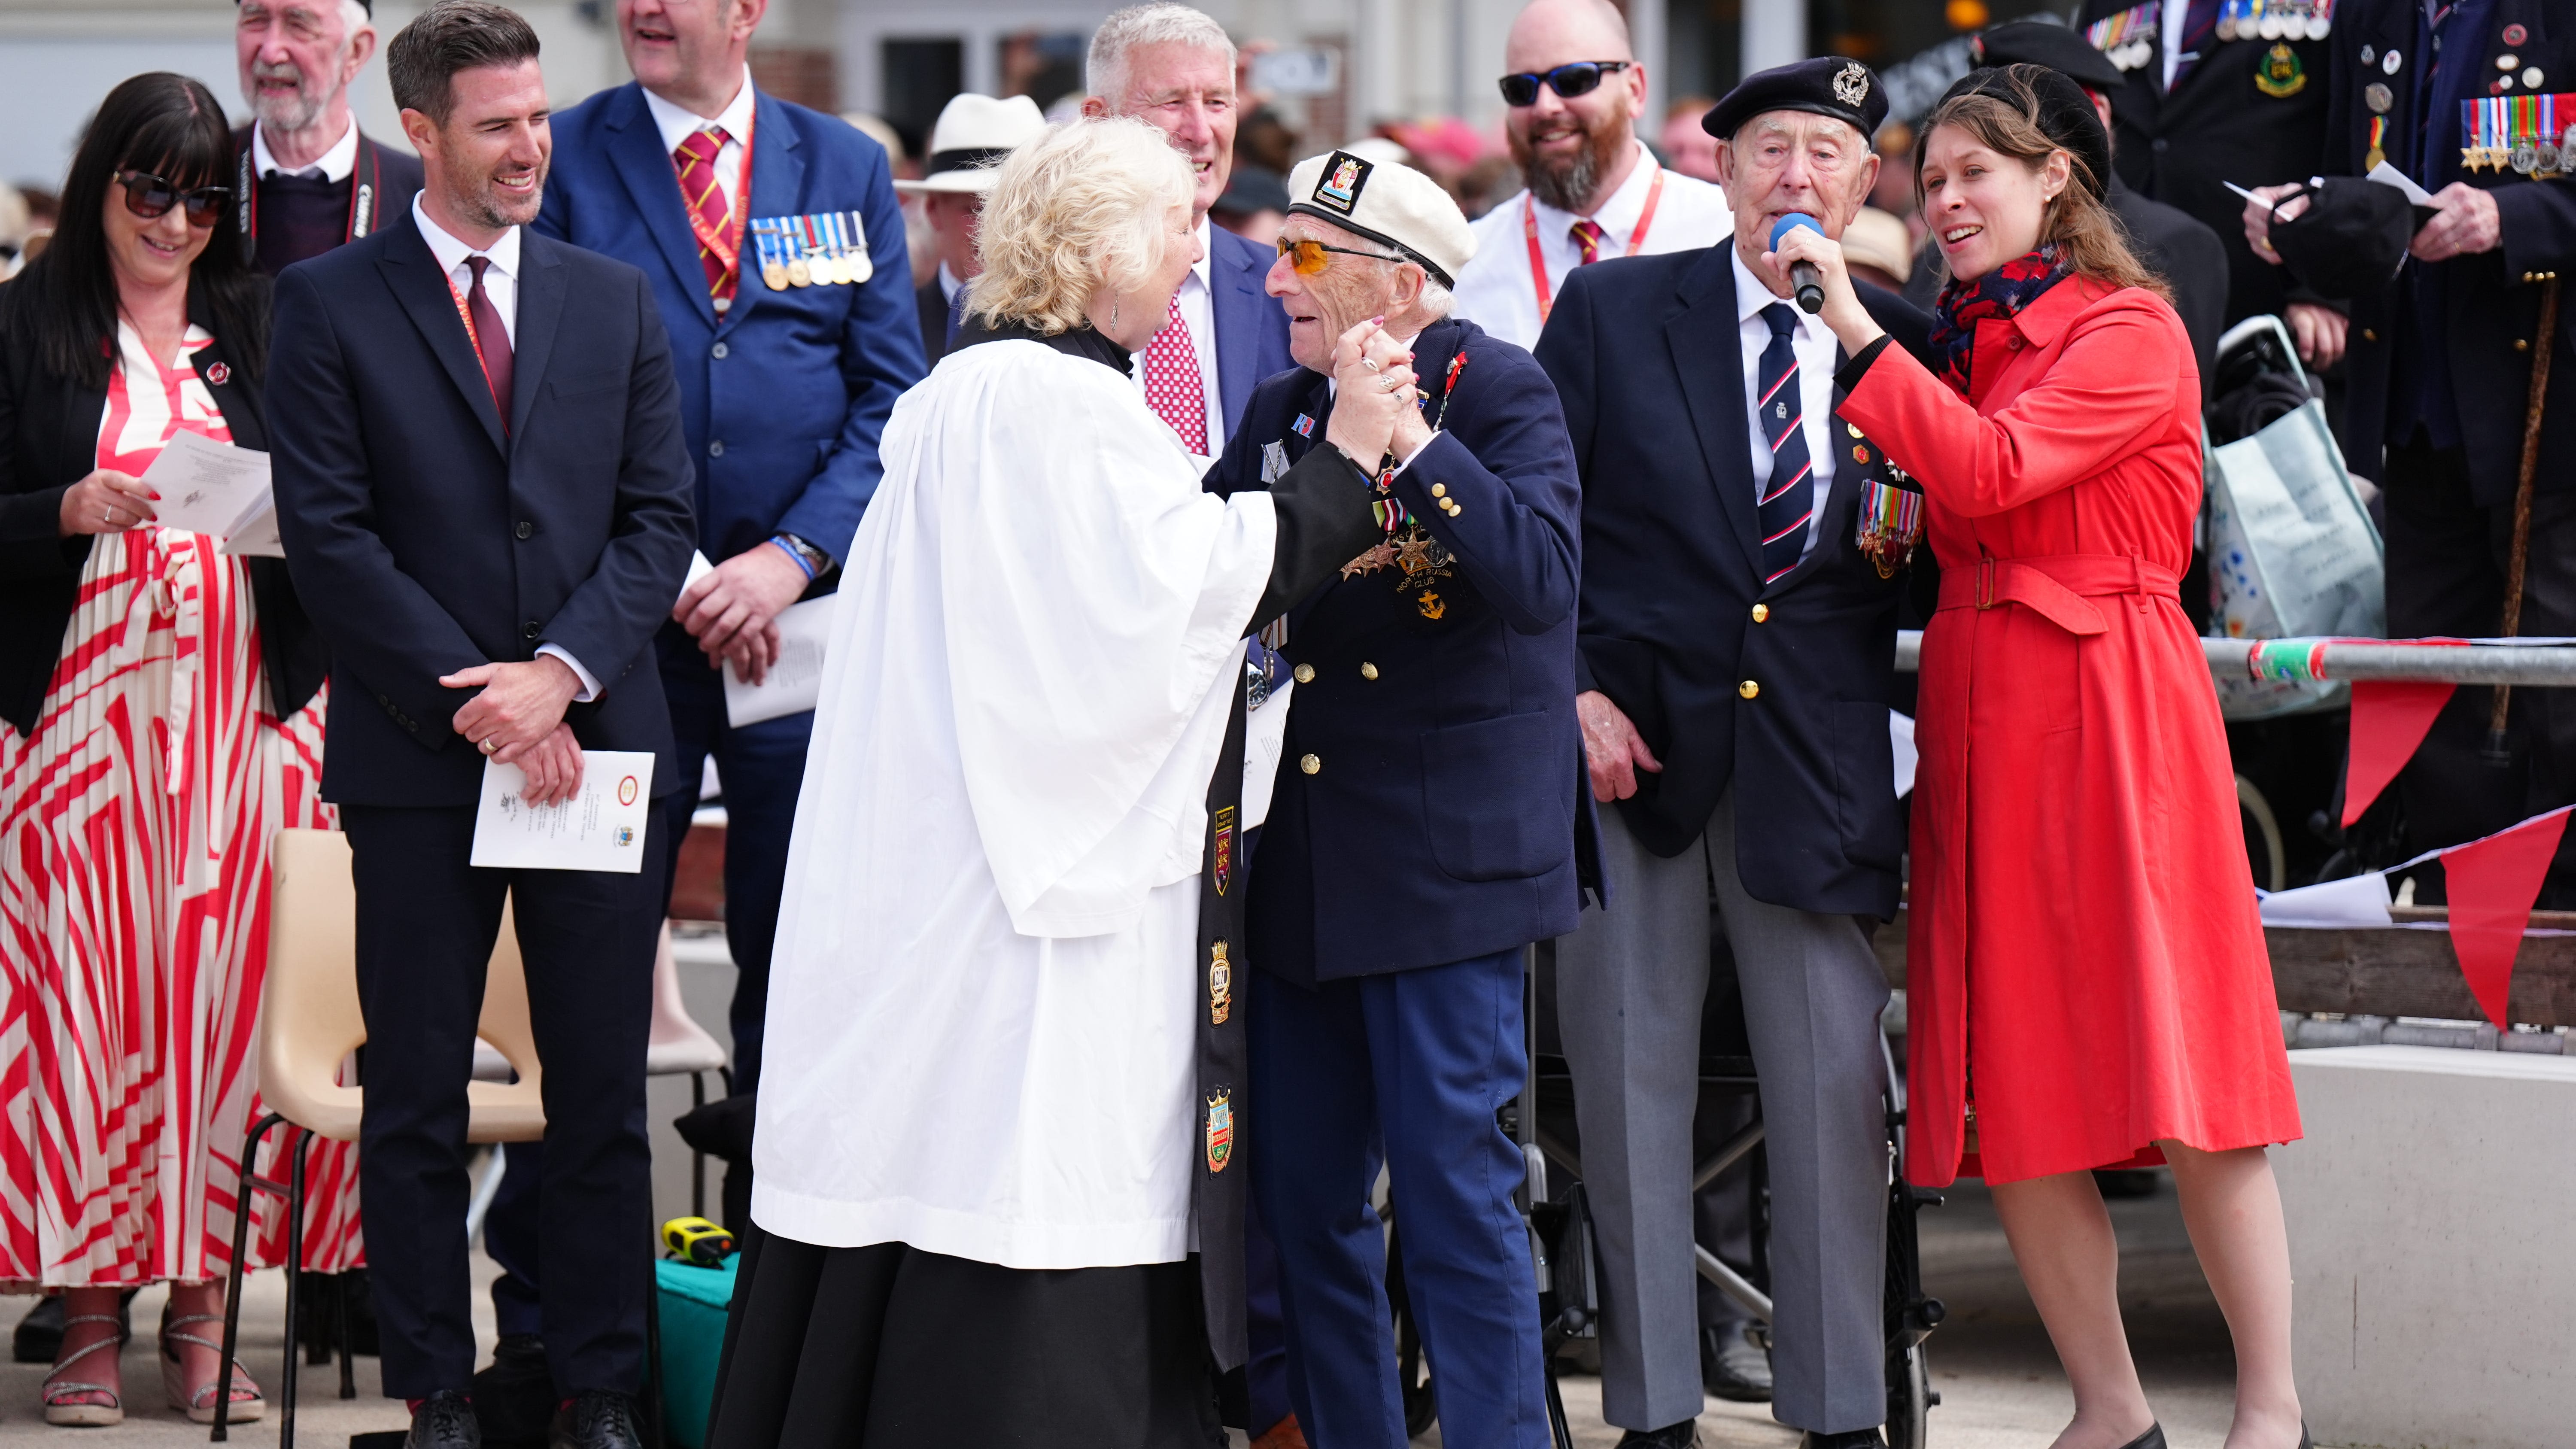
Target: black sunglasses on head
1579	78
150	197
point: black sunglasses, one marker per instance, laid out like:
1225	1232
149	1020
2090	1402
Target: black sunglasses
150	197
1580	78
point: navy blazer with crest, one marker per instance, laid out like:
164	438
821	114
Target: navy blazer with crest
1790	705
1446	816
427	538
785	396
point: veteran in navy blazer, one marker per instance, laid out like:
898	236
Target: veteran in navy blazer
481	484
1422	828
1744	550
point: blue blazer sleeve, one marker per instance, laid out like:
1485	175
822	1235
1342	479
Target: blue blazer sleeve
612	615
1505	464
880	358
1565	353
382	625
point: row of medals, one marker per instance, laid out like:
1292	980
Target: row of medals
833	265
2531	155
2243	20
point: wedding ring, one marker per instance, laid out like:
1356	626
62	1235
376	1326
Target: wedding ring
485	747
1370	363
1388	385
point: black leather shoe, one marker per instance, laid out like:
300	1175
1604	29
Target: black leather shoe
1848	1439
597	1419
2154	1438
1734	1367
1684	1435
515	1398
445	1420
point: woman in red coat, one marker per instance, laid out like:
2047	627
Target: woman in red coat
2087	981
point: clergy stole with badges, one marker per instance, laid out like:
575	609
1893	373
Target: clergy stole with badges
1219	1182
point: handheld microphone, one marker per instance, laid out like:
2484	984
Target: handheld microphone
1803	277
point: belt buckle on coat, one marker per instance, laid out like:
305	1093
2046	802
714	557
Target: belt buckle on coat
1986	583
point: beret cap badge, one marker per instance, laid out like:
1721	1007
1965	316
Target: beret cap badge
1344	177
1852	86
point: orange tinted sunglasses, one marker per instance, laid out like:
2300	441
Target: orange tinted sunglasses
1307	257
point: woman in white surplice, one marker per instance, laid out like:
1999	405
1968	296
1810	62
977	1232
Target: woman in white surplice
976	1128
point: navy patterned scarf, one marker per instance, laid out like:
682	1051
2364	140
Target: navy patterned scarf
2002	292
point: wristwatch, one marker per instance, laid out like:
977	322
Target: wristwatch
817	563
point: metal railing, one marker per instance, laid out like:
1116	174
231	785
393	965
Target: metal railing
2529	662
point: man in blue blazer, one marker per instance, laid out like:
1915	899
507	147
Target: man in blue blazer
1174	67
1423	829
481	487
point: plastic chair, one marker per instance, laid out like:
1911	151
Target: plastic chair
309	1022
679	1045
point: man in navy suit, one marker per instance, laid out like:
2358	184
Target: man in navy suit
1746	550
1173	66
479	470
1422	829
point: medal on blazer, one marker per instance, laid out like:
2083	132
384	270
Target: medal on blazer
1891	512
2528	133
1220	985
773	266
791	236
1220	1129
2128	39
1408	546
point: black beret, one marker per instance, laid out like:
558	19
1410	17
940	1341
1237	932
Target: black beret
2065	113
2044	42
2350	240
1829	85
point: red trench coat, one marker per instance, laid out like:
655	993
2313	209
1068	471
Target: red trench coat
2084	958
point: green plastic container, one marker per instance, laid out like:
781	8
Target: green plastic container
693	1306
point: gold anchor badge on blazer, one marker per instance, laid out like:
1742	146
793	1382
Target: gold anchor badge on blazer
1220	1129
1220	985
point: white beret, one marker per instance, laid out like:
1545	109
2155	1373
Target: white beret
1390	204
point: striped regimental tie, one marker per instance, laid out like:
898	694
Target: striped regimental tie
1789	497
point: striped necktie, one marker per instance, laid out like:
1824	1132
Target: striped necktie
695	159
1587	235
1789	498
2199	33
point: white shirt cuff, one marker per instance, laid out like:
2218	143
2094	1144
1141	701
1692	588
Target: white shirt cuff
589	681
1416	453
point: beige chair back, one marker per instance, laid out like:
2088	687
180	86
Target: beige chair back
309	1019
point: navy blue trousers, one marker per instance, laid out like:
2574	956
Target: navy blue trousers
762	767
1408	1070
426	926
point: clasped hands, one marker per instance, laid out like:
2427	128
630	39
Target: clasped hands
517	719
2465	222
1374	411
732	610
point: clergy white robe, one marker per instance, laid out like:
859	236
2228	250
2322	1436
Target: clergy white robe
982	1000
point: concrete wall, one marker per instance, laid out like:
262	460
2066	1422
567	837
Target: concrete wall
2429	1208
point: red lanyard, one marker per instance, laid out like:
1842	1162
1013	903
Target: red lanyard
727	244
1538	259
465	314
362	198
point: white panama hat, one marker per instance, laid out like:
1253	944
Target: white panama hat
973	133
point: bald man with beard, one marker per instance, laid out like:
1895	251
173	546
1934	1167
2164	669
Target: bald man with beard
1574	90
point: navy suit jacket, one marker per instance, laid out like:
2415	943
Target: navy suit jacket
429	539
1251	328
1646	357
1441	822
784	399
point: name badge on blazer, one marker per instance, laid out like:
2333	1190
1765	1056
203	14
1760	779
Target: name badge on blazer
818	249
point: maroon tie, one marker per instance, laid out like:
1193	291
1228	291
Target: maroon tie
490	338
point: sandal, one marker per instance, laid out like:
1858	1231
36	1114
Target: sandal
199	1404
62	1397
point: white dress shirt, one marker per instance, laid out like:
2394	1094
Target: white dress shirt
335	165
676	122
2176	16
1198	312
501	285
1496	291
1817	350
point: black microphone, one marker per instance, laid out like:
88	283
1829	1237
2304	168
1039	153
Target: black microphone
1804	280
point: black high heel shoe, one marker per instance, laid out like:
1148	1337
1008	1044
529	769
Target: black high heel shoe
2154	1438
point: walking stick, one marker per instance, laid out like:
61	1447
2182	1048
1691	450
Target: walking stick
2543	344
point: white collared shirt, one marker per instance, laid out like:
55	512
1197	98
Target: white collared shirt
501	285
2177	17
1198	311
1816	348
676	122
1496	290
335	165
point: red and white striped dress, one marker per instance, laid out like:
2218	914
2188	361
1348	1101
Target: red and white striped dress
134	896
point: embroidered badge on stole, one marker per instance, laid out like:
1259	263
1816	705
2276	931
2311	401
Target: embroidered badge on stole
1224	855
1220	985
1220	1129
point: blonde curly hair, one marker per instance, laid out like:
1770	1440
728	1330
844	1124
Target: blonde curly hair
1080	209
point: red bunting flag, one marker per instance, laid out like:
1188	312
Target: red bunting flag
2492	883
2389	719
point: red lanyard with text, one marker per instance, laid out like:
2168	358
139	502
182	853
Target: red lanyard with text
465	314
1538	259
727	244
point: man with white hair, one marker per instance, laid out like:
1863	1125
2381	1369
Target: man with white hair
1575	91
306	180
1745	550
1174	67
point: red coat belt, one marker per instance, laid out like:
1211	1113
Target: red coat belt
2057	586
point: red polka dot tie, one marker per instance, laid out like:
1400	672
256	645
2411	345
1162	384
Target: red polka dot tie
1173	387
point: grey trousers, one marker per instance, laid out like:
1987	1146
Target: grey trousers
1629	982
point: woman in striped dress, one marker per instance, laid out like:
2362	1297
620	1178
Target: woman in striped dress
164	712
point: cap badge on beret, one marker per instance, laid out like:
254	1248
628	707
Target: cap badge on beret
1345	176
1852	86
